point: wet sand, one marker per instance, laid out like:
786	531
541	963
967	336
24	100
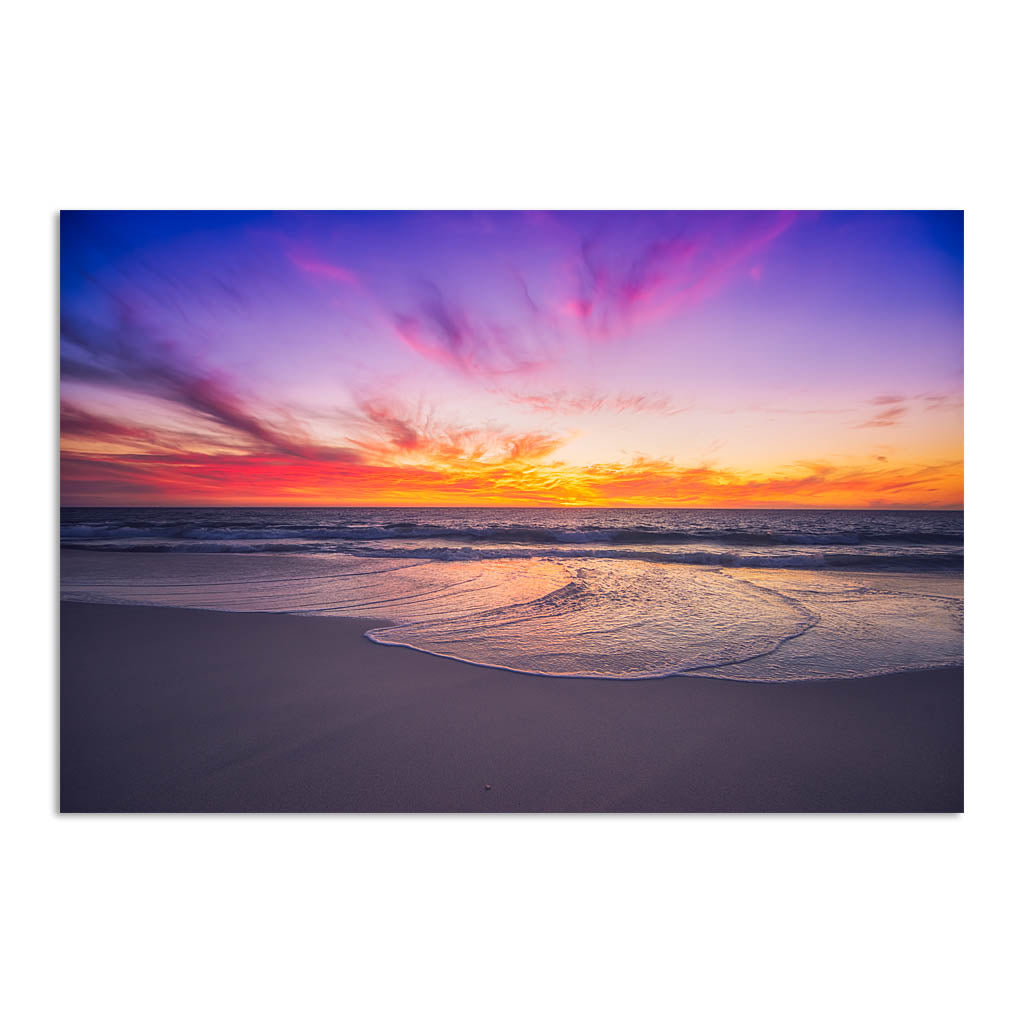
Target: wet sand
166	709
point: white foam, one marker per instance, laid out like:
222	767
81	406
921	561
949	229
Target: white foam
616	617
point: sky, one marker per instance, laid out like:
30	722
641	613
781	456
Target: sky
695	359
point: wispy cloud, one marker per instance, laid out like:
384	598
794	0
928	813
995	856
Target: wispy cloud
82	429
891	411
939	400
321	268
443	331
666	275
390	431
563	403
130	357
605	287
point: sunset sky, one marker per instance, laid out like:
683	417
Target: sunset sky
650	359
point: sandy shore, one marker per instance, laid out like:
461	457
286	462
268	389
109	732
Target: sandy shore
167	709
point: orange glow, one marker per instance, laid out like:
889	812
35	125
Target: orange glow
394	458
283	480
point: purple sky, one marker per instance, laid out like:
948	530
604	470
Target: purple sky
503	358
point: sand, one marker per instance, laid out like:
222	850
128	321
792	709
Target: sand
166	709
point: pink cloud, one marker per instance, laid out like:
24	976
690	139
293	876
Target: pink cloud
331	271
566	403
441	330
669	274
890	412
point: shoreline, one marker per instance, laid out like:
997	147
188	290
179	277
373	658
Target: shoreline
385	623
180	710
374	624
773	646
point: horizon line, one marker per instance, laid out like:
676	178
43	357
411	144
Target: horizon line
611	508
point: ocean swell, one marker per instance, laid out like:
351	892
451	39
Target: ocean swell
498	534
897	558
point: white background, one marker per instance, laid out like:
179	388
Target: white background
462	105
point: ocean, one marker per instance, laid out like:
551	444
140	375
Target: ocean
759	596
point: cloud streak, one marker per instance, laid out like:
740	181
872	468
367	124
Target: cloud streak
565	403
891	412
391	432
129	357
604	287
669	273
439	329
322	269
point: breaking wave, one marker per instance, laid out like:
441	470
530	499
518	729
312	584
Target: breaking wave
766	596
184	530
900	558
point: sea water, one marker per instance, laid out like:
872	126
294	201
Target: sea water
764	596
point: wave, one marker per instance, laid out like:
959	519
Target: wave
760	612
184	531
899	558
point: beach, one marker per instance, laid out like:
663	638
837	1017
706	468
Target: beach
180	710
